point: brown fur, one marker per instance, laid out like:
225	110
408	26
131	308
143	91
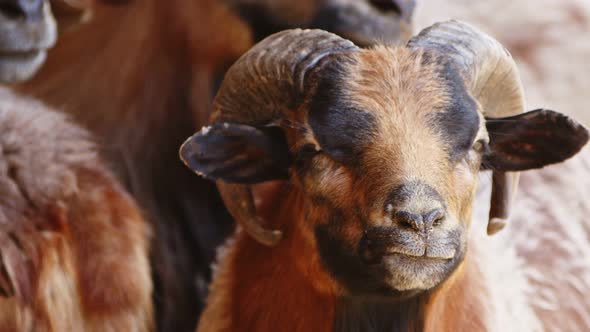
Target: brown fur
75	239
316	300
305	277
403	116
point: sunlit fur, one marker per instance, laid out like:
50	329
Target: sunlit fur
74	245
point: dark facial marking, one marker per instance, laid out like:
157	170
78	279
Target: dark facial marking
459	121
342	130
344	262
340	258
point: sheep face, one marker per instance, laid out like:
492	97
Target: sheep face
384	151
27	30
395	149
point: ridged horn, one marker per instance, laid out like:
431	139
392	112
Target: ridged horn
267	81
492	78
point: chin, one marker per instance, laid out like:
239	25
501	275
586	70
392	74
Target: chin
388	276
20	66
403	273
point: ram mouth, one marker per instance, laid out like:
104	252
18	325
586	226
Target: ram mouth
421	253
29	54
23	60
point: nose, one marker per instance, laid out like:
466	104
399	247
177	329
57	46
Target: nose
401	7
22	9
385	5
420	222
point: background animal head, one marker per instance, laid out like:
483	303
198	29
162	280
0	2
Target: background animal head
365	22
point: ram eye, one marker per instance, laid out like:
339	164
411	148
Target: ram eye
480	146
306	152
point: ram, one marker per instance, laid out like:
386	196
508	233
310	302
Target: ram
379	152
73	244
142	85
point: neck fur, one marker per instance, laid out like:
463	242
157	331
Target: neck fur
353	314
287	287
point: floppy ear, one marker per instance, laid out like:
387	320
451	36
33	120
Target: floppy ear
525	141
532	140
237	153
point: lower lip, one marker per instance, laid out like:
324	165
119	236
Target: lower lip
398	254
21	56
19	66
397	261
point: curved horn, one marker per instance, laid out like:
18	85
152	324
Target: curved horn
270	78
266	82
240	203
492	77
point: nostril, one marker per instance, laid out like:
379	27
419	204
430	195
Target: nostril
434	218
386	6
409	220
437	222
27	9
11	9
420	222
